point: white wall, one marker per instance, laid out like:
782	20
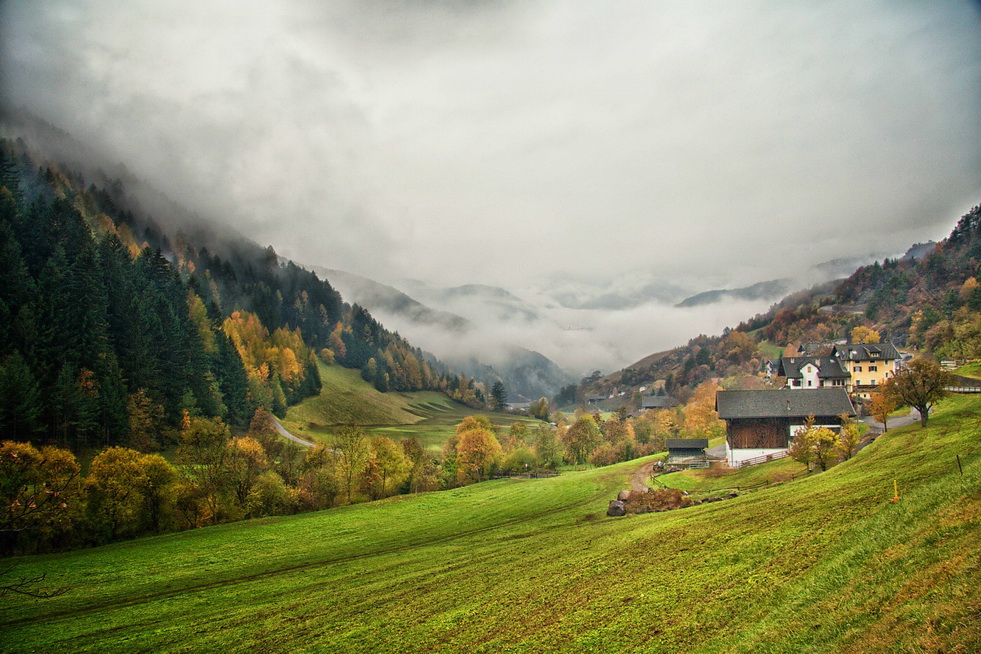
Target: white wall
736	457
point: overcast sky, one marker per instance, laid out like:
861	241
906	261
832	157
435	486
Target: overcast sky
508	142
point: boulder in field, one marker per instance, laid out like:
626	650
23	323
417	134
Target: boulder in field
617	508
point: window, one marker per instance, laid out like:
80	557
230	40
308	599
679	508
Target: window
810	382
858	368
871	382
873	368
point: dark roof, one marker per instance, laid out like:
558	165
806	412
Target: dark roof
828	367
686	443
783	403
864	351
659	402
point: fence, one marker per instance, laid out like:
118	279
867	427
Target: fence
765	458
964	385
534	474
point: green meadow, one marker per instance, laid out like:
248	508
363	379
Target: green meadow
825	563
346	398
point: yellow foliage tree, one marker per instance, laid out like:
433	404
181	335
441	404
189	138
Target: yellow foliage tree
862	334
478	450
701	418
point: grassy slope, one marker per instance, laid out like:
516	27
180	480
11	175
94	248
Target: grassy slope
827	563
346	398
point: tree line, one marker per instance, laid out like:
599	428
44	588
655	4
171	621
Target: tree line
218	476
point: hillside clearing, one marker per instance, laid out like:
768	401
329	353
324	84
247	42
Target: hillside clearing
345	398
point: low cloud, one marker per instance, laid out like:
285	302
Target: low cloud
510	141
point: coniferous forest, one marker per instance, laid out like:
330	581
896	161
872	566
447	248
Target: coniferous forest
105	320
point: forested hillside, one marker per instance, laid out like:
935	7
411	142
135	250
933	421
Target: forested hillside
933	304
111	330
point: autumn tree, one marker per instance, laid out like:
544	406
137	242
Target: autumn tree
862	334
114	503
352	447
539	409
581	438
815	444
270	495
605	454
147	421
800	446
390	462
826	445
40	493
475	422
247	460
478	451
547	447
881	405
204	452
701	418
921	384
516	437
849	437
159	489
322	478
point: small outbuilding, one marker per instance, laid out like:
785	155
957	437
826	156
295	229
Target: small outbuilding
686	451
659	402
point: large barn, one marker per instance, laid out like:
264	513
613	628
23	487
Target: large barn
761	423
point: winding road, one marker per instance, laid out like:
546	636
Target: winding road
285	434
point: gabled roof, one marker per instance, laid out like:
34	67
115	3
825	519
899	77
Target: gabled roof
828	367
864	351
660	402
686	443
816	402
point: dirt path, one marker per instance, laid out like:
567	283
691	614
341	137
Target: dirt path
638	480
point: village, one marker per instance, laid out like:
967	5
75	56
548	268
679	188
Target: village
810	386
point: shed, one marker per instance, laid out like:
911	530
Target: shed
686	447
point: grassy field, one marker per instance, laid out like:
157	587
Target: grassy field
346	398
972	369
771	350
827	563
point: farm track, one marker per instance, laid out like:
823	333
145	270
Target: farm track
204	586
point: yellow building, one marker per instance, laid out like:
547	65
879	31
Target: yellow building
868	365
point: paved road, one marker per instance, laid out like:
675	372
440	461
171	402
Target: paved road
894	423
717	452
285	434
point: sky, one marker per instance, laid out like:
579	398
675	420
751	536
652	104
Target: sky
528	143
